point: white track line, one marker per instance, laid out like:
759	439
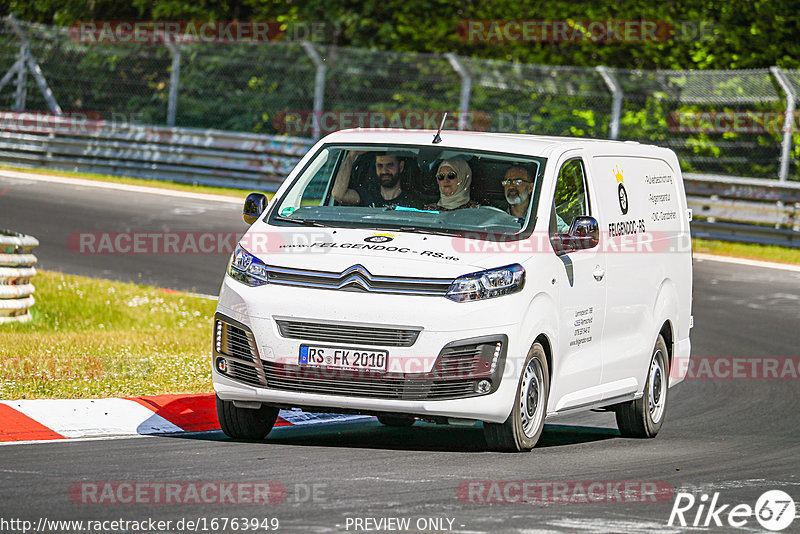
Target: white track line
751	263
120	187
78	440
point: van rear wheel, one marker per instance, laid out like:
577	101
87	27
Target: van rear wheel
642	418
524	425
245	423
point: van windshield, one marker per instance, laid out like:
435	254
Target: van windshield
414	188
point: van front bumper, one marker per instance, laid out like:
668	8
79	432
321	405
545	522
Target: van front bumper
438	375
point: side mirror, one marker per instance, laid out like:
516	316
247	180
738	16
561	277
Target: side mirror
583	234
254	206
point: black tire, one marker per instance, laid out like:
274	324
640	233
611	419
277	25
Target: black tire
642	418
524	425
245	423
396	420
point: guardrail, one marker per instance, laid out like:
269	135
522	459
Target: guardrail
16	270
187	155
750	210
741	209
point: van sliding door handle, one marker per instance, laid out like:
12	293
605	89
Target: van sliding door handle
598	273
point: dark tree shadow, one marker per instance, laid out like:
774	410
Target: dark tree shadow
369	434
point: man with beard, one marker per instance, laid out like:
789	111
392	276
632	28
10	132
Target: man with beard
388	168
518	186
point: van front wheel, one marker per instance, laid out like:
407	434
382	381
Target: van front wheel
642	418
524	425
245	423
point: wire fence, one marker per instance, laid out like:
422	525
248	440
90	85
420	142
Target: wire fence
718	122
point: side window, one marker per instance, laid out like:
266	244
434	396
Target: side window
570	199
317	189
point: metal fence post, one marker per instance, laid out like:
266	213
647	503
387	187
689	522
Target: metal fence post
616	100
27	63
22	78
786	145
466	89
174	80
319	86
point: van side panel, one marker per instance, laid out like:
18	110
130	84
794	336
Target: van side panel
643	234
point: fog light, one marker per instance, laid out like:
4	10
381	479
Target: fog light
484	386
222	365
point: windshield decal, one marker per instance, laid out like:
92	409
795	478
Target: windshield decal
364	246
378	238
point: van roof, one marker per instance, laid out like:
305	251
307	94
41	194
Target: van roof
501	142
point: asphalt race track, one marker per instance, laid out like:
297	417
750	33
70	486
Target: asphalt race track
736	437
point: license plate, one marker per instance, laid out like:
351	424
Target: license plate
343	358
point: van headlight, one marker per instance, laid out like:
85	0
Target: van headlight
487	284
246	268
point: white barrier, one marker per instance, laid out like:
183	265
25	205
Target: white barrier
16	270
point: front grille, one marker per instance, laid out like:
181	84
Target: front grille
234	341
356	384
455	373
358	278
238	345
347	333
463	361
244	373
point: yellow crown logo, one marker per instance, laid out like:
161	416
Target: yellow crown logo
618	174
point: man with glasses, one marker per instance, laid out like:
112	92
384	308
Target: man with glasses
518	187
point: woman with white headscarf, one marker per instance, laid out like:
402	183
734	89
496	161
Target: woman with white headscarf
454	177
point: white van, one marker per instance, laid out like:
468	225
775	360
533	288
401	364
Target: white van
459	278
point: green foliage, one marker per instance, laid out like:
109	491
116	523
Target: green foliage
712	35
251	87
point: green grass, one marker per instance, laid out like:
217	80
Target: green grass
749	251
96	338
161	184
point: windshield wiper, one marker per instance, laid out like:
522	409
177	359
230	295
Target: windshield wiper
303	222
429	231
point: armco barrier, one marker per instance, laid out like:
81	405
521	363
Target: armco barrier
16	270
749	210
188	155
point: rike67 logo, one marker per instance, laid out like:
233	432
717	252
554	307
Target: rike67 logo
774	510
